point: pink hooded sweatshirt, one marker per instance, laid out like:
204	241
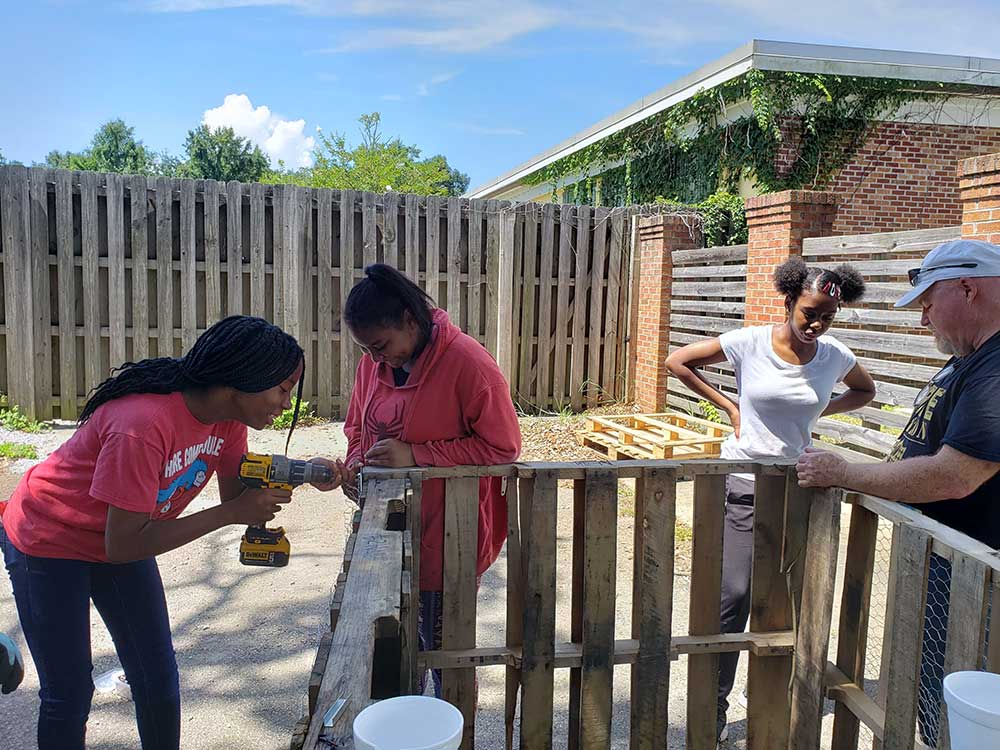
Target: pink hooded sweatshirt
454	410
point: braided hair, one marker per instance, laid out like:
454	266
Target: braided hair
383	297
844	283
245	353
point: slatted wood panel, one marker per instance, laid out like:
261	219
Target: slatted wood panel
160	260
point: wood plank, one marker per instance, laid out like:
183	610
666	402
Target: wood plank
412	238
652	672
581	290
910	592
16	251
369	233
517	303
599	575
812	640
371	593
616	269
309	293
889	343
325	312
453	269
164	269
514	633
543	384
94	371
768	708
504	345
701	289
596	382
716	255
855	611
705	607
476	256
189	278
138	195
213	254
390	229
566	264
66	275
575	730
258	291
539	615
348	351
319	665
491	269
967	619
715	307
710	272
39	301
414	525
852	700
886	651
115	201
529	282
458	630
234	249
279	250
432	233
911	241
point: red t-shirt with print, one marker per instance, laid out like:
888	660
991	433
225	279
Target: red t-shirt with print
144	453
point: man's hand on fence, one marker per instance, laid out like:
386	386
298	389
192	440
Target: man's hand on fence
818	468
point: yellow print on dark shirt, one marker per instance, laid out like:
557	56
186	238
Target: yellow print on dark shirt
916	428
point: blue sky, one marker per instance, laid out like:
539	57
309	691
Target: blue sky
488	83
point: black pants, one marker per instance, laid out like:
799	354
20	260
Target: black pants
737	562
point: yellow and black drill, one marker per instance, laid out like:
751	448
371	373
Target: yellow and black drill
261	545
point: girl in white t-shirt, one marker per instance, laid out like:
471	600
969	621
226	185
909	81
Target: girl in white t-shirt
785	375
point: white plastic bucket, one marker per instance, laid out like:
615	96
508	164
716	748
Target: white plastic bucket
409	722
973	700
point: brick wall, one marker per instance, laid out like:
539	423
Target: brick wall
777	223
658	237
979	181
904	177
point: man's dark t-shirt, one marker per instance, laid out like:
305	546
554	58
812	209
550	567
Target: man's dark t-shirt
960	408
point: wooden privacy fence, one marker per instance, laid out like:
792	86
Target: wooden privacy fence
709	289
373	645
99	269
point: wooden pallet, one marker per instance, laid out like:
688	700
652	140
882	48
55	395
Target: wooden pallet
640	436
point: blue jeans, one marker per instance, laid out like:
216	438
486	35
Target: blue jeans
53	603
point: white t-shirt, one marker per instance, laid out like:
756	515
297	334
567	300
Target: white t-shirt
779	402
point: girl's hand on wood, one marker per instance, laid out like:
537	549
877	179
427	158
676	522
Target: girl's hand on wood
391	453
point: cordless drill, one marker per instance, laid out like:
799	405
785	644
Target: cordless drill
261	545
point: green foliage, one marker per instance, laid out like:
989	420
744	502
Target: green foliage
376	164
709	411
222	155
692	150
13	418
18	450
114	148
307	416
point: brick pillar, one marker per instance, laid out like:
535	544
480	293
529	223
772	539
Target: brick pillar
658	237
777	224
979	190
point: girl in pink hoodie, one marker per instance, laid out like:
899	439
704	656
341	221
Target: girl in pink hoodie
426	394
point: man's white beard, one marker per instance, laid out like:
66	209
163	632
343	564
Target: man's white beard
944	347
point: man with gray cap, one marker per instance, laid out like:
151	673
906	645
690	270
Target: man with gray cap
946	461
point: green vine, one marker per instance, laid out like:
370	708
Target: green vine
801	130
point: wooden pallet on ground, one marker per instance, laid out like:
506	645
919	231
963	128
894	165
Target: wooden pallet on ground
641	436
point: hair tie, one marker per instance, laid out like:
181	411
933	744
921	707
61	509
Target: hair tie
830	288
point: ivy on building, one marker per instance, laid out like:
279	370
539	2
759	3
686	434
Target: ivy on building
790	131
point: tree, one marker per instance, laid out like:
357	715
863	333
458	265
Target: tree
457	182
376	164
223	155
114	148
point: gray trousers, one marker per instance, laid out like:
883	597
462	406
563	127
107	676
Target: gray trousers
737	561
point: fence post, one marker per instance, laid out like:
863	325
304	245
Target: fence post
777	223
504	344
658	236
979	191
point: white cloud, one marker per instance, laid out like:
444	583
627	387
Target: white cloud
282	140
424	89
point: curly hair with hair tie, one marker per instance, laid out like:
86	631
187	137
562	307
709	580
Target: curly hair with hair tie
793	277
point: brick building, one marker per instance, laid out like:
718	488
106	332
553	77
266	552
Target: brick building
905	176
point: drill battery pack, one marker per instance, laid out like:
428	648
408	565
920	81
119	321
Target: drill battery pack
265	547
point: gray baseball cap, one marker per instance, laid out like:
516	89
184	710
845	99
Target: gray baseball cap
958	259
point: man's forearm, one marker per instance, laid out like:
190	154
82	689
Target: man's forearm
913	480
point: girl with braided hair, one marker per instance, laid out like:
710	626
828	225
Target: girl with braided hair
427	394
785	376
87	523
